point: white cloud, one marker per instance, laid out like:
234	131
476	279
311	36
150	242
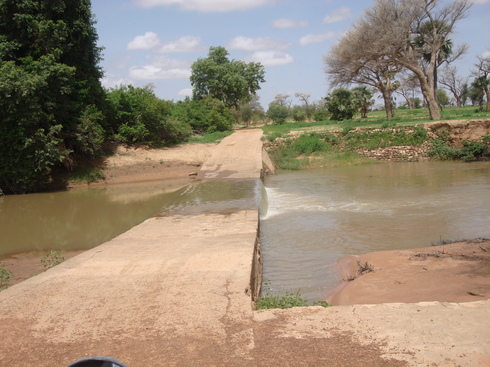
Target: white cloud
187	92
272	58
206	5
254	44
289	23
161	68
182	44
337	15
316	38
482	2
113	81
151	72
145	42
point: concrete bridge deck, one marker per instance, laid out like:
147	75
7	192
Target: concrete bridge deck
176	291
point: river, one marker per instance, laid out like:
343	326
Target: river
316	217
309	219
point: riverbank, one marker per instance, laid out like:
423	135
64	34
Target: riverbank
126	165
455	272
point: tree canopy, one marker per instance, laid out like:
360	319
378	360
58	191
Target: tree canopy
48	79
230	81
406	34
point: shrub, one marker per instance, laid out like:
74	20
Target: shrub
52	259
5	276
277	113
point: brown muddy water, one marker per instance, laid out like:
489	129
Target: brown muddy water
316	217
309	219
77	219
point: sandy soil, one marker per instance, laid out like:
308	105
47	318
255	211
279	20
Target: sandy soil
143	164
457	272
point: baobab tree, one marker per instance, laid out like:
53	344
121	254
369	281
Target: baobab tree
346	64
391	30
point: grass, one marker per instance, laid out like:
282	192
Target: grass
377	119
313	151
288	300
86	174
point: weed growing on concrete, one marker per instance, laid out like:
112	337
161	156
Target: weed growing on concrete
53	258
288	300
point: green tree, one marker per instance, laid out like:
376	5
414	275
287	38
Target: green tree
230	81
48	79
140	117
341	104
442	98
277	113
363	98
204	116
477	91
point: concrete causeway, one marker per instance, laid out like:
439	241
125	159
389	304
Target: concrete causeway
178	291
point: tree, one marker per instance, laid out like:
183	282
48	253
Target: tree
346	63
454	83
341	104
50	94
424	40
442	98
390	31
477	90
407	87
483	72
230	81
140	117
363	98
305	99
277	113
282	100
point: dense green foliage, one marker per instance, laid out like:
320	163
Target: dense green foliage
138	116
56	118
277	113
442	149
341	104
204	116
230	81
48	79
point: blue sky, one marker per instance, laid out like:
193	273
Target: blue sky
156	41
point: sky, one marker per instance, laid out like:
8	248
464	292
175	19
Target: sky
156	41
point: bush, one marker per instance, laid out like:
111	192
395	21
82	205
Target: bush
5	276
138	116
277	113
52	259
204	116
341	105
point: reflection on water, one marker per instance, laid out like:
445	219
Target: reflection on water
79	218
316	217
225	196
84	218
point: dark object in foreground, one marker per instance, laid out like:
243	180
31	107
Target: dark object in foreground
97	362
